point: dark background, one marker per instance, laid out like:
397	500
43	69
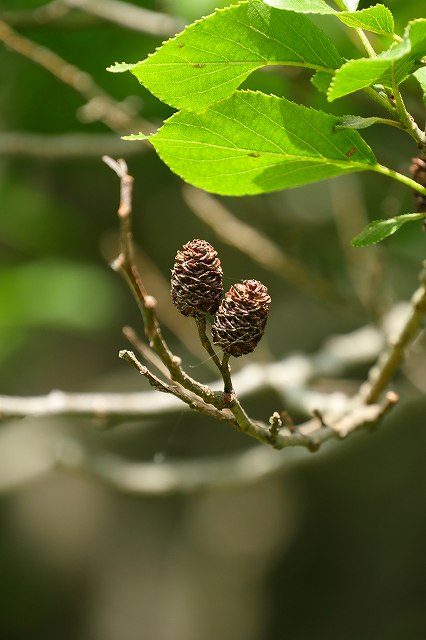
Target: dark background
332	548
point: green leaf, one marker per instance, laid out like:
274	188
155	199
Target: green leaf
321	80
356	122
420	75
210	59
351	5
135	136
377	18
302	6
119	67
253	143
378	230
398	62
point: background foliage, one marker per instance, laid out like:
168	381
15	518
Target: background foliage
334	547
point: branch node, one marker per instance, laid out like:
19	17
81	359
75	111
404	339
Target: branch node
275	424
150	302
317	414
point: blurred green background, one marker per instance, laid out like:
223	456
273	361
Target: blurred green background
332	548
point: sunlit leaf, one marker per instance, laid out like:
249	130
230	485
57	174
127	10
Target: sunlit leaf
377	19
378	230
212	57
356	122
395	64
253	143
420	74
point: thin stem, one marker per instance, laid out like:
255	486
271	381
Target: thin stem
201	326
380	100
367	44
130	16
407	121
183	394
412	184
224	368
360	33
226	374
66	145
124	264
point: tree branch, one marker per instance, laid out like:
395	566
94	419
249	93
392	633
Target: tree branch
101	106
130	16
66	145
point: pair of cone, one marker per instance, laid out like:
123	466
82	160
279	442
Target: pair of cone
197	290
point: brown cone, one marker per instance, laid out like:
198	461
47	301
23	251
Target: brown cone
241	318
418	171
197	279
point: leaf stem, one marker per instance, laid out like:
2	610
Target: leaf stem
201	327
366	42
360	33
412	184
407	121
381	100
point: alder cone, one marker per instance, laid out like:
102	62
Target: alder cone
240	321
197	279
418	171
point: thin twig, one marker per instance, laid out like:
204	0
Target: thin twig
406	119
242	468
38	17
145	351
66	145
289	377
200	321
180	392
130	16
125	264
117	116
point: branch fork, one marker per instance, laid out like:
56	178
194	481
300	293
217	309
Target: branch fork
364	410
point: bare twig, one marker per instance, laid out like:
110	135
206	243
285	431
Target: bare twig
331	421
66	145
101	106
175	389
201	327
38	17
289	377
130	16
42	448
144	350
125	264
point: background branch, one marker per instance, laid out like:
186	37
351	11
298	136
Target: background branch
290	378
101	106
40	453
78	14
130	16
66	145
